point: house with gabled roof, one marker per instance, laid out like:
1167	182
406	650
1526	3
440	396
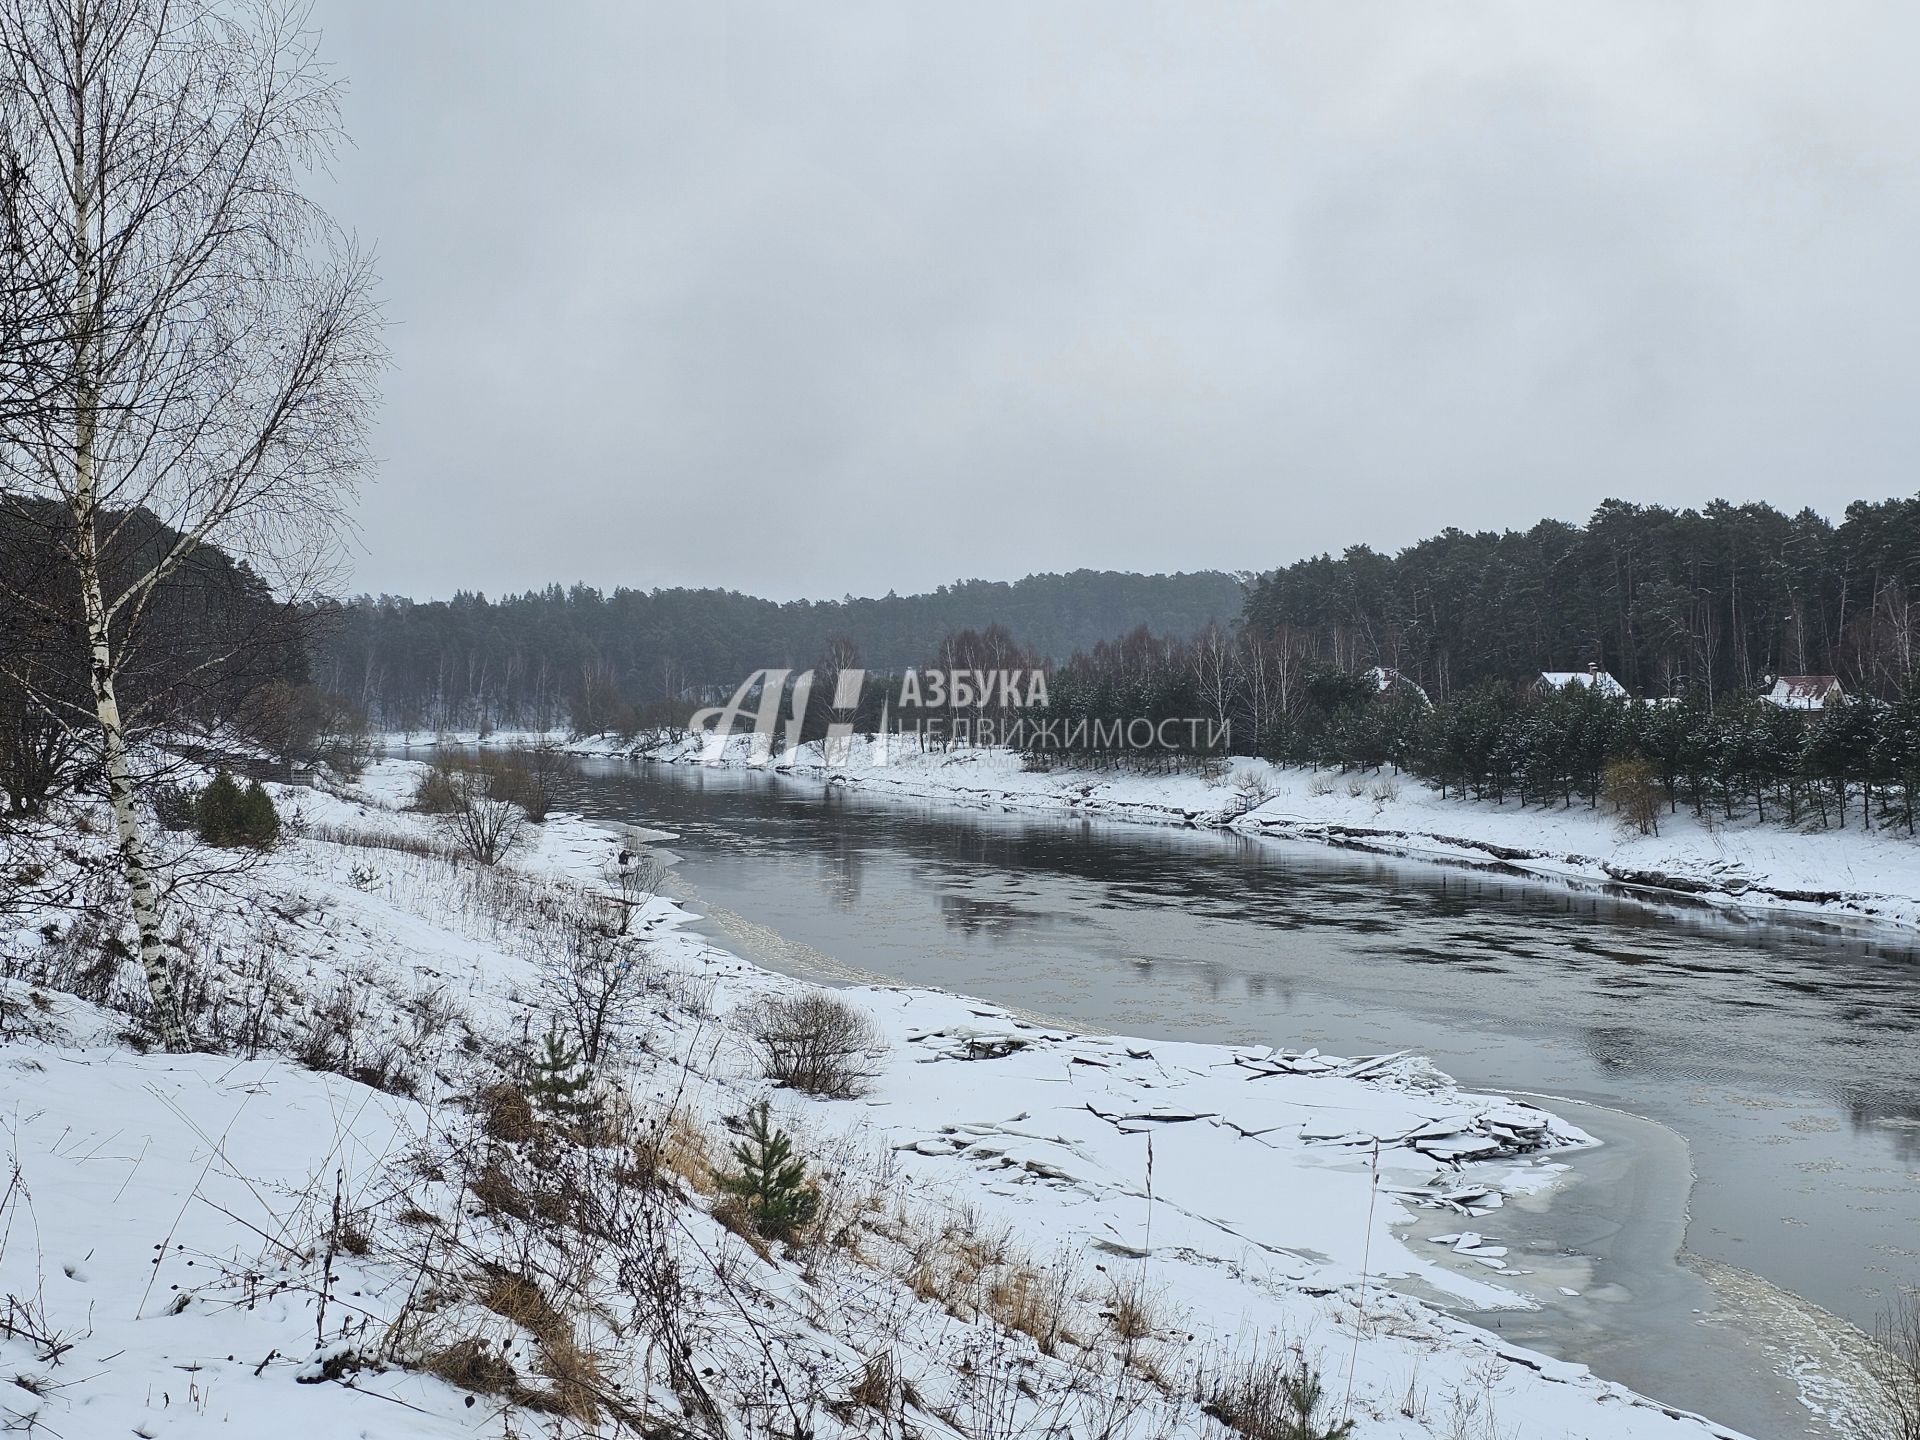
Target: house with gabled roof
1805	692
1592	677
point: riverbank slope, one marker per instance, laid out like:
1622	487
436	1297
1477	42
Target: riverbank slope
1024	1227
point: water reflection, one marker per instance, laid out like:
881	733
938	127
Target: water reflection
1781	1050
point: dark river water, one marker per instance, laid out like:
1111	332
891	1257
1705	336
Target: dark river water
1784	1053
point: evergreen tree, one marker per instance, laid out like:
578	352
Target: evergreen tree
770	1184
215	809
559	1082
230	817
259	822
1899	744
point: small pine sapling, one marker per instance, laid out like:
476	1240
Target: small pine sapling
559	1083
770	1185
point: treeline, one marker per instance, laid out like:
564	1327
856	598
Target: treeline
1740	756
210	646
1670	602
541	658
1134	704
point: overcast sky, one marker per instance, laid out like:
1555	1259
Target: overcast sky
829	297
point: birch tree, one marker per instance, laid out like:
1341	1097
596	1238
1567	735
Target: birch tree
188	337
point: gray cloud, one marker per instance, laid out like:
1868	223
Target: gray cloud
806	299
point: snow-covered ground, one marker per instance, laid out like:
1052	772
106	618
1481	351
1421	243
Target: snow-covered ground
1843	874
1024	1230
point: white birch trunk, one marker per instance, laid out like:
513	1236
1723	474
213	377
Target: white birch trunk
101	667
134	860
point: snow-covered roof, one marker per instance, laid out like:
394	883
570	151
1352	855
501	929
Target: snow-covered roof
1387	678
1599	679
1805	692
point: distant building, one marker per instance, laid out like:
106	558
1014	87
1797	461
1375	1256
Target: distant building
1593	677
1391	683
1806	692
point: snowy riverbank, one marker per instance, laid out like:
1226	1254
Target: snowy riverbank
1843	875
171	1216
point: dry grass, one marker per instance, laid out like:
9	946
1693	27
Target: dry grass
734	1217
973	1270
506	1113
576	1380
878	1384
975	1245
1272	1393
1133	1307
575	1375
523	1300
498	1194
685	1151
926	1281
473	1365
397	842
1035	1301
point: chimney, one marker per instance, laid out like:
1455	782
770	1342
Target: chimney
1593	670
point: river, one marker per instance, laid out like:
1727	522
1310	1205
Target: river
1778	1055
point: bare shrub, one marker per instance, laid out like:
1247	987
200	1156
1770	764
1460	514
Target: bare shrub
1384	791
635	875
568	1281
332	1024
1633	789
484	828
434	794
1253	787
597	983
817	1043
338	1035
86	959
1896	1365
1320	786
430	1012
529	776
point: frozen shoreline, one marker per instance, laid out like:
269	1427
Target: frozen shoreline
1842	876
1607	1244
1264	1213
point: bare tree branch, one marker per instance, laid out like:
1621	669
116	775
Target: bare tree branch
188	339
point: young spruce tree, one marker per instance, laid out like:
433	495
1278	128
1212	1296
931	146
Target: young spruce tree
558	1082
770	1184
